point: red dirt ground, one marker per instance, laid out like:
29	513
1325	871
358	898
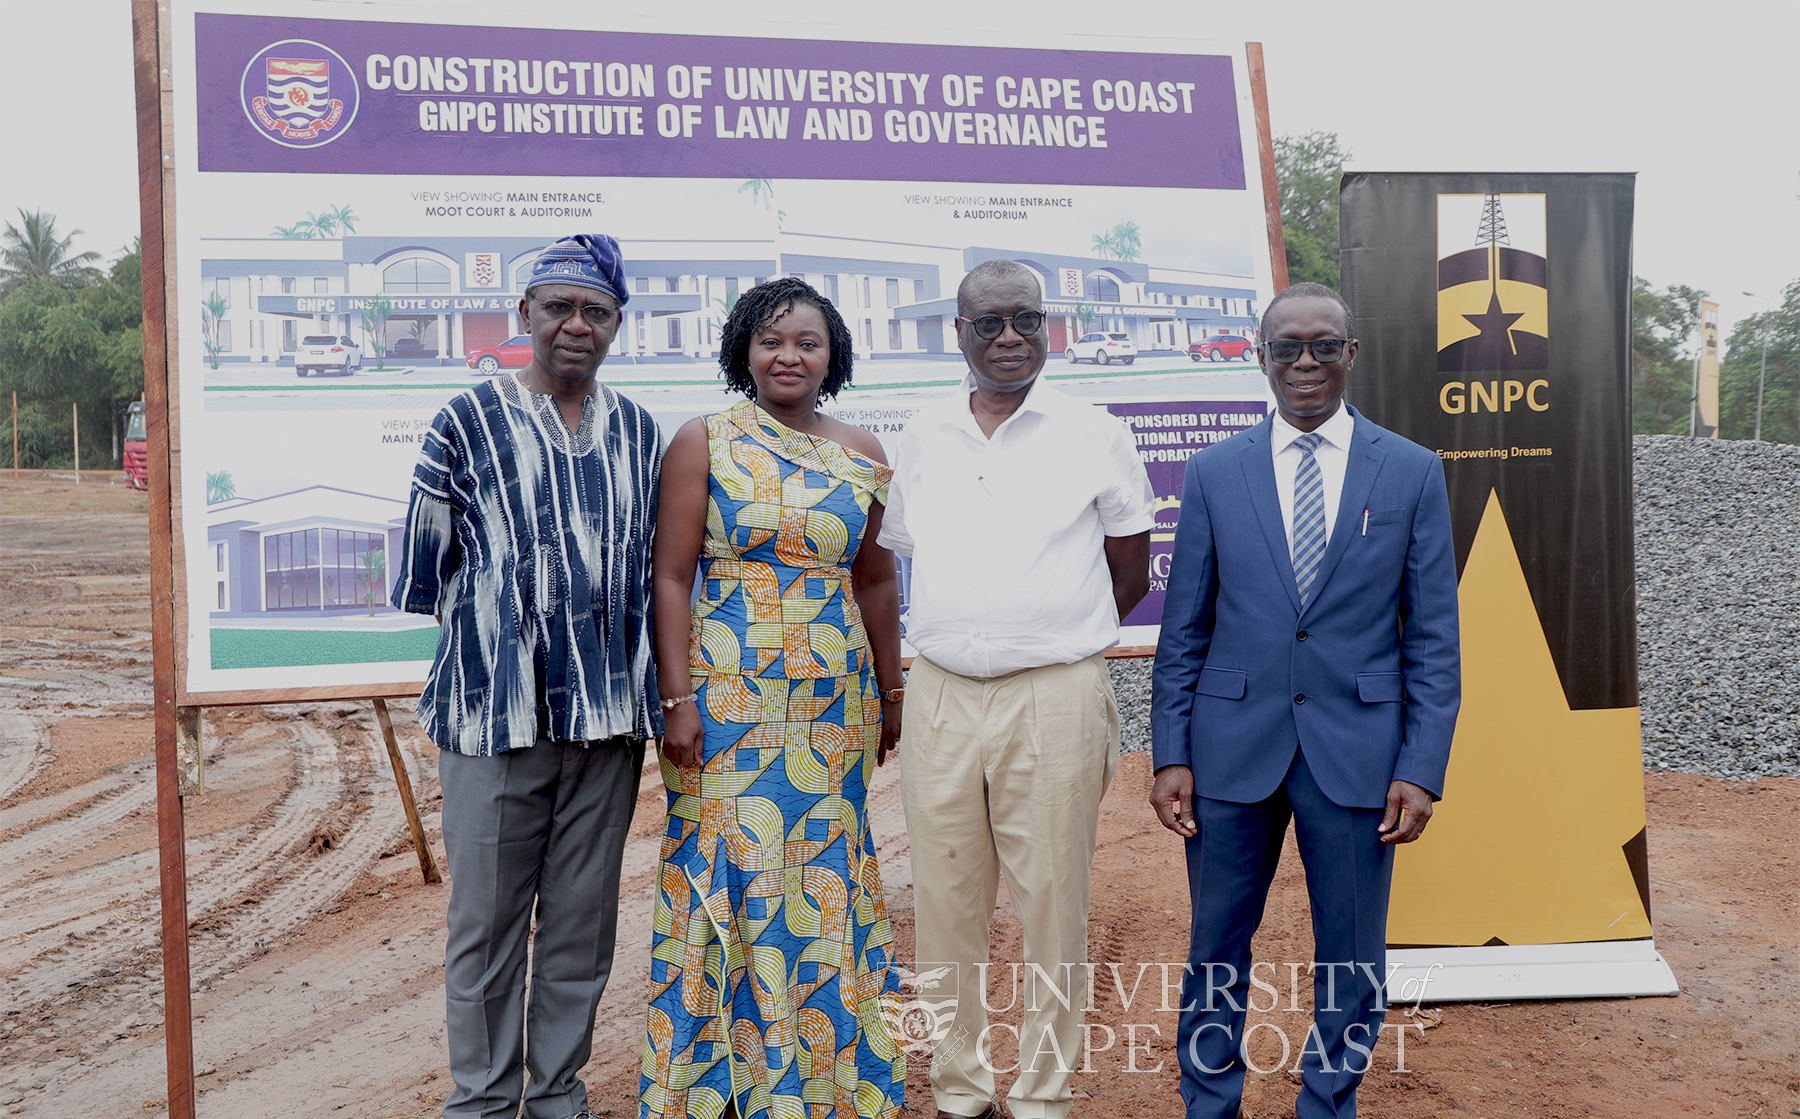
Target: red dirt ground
317	949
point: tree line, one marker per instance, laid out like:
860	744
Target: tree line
1664	321
71	332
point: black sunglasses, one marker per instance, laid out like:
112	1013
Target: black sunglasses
1285	350
1026	323
594	314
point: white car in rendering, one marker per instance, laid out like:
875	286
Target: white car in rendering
1103	348
327	353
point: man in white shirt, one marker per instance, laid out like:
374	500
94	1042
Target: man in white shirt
1027	515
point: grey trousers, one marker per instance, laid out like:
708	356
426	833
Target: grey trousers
541	828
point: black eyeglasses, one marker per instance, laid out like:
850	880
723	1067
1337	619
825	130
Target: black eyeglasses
1284	350
596	315
1026	323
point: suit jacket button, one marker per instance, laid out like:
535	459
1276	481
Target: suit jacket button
1301	636
1299	697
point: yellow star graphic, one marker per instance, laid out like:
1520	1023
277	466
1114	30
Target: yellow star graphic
1527	846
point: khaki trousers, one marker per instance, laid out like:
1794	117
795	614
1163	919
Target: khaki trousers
1005	776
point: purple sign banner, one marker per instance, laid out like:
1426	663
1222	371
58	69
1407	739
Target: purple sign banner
1168	433
277	94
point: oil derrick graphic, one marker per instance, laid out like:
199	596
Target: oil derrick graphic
1493	299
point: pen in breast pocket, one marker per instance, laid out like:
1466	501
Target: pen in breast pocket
1365	522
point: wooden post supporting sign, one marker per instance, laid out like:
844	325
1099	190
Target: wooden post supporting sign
427	864
178	1014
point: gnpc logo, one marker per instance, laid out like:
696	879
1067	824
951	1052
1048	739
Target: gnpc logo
922	1017
299	94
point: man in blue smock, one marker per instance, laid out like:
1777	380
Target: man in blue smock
528	536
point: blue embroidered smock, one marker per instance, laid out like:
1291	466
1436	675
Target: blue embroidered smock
532	545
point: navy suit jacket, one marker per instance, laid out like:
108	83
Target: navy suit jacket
1365	680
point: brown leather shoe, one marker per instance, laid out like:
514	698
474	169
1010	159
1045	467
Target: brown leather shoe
992	1112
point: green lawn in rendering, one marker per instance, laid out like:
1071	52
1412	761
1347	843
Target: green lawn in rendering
279	648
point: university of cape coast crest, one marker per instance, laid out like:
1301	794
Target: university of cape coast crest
299	94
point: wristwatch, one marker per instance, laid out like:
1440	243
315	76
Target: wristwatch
892	695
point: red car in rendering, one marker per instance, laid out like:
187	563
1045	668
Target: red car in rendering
1223	347
514	353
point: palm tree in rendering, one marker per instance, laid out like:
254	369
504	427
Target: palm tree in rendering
1124	241
317	225
212	313
763	191
1128	240
219	486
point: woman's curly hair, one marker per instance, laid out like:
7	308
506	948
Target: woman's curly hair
759	308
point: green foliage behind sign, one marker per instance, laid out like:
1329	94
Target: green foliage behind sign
1779	328
1663	342
68	335
1307	170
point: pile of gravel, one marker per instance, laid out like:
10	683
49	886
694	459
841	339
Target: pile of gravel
1718	587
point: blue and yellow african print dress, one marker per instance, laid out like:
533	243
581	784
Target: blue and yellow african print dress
771	957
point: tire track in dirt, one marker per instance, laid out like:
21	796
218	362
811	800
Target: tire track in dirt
73	686
261	864
23	744
357	994
247	887
118	937
382	1002
42	901
283	900
377	997
109	800
36	924
27	813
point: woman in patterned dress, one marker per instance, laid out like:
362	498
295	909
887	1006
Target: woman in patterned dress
771	964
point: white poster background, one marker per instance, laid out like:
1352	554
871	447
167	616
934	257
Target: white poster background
276	434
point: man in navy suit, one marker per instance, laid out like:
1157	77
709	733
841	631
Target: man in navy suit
1308	668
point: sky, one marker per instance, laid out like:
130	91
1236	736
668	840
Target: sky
1701	101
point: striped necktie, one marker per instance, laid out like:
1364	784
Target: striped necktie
1309	515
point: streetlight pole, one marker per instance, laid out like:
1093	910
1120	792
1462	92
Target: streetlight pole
1763	371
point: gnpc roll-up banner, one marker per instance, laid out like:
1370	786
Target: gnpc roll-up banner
1494	312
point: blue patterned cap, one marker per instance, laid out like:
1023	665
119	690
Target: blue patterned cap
587	260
